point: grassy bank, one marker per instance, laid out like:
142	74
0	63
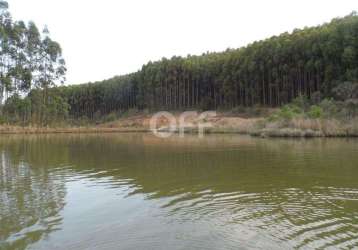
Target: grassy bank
224	122
309	118
306	127
301	118
298	126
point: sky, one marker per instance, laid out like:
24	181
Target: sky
101	39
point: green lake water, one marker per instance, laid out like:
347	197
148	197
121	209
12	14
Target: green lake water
136	191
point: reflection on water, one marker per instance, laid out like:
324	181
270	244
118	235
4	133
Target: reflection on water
140	192
30	200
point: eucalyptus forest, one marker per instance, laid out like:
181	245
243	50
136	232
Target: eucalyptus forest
269	73
308	62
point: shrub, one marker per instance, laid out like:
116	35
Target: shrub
287	112
302	102
110	117
329	107
315	112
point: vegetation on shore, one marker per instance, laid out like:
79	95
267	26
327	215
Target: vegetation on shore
337	116
303	117
311	73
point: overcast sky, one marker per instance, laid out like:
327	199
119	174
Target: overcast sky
104	38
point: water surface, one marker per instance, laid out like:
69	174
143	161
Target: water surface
135	191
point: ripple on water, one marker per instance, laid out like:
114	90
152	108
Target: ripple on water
254	194
302	219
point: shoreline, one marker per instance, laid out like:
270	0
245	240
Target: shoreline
223	123
69	130
262	133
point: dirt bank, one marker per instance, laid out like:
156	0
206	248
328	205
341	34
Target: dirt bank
221	123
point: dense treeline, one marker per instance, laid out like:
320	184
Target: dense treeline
29	60
272	72
311	61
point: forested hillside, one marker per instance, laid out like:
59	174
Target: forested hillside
269	73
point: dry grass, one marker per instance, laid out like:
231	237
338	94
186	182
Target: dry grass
305	127
222	123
